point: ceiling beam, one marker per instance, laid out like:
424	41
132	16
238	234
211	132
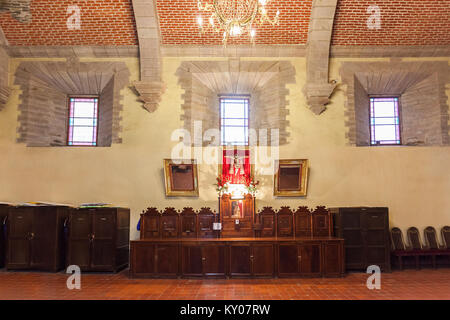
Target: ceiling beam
150	87
318	88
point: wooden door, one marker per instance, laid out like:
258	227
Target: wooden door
376	231
44	242
240	263
166	259
288	260
351	229
262	258
80	241
103	244
20	226
213	259
310	259
3	221
192	260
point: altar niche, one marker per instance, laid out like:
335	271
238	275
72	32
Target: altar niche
237	215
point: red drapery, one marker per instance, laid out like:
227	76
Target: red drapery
239	161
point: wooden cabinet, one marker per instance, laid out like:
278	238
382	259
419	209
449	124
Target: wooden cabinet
237	216
300	259
366	234
35	238
99	239
207	260
226	257
3	217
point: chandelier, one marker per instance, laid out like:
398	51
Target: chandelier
235	17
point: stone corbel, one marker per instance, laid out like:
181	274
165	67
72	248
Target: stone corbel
319	89
150	93
150	87
20	9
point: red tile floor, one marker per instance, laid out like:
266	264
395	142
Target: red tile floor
409	284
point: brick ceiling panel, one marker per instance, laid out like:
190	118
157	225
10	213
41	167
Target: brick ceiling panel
403	22
103	22
178	21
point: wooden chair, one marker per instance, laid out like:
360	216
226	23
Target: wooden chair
400	250
445	232
432	243
416	244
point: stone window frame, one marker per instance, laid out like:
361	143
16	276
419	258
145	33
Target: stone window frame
421	86
45	87
265	81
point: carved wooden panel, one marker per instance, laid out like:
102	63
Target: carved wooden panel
303	222
285	222
206	219
321	222
169	223
150	224
268	222
188	223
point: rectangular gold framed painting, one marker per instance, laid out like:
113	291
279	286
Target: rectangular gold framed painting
181	178
291	178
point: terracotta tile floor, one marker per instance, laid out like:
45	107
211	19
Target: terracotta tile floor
409	284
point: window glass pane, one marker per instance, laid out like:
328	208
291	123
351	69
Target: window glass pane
84	109
83	120
83	134
384	133
384	121
234	121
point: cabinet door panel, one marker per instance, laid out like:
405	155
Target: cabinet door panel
80	254
375	220
214	260
192	260
288	261
167	259
143	259
310	259
102	255
104	225
20	221
263	262
332	259
240	264
43	246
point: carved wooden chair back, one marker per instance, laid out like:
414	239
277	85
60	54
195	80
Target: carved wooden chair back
414	238
431	238
397	239
445	231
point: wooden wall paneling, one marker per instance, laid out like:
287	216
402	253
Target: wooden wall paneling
268	222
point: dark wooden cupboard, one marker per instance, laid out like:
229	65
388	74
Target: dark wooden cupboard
98	239
366	234
35	238
300	259
206	260
3	217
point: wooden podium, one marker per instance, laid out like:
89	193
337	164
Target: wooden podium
237	216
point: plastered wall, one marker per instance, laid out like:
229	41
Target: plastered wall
414	182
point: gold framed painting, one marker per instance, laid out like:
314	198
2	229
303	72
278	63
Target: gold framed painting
181	178
291	178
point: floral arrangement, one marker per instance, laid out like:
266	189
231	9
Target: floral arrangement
251	185
221	184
